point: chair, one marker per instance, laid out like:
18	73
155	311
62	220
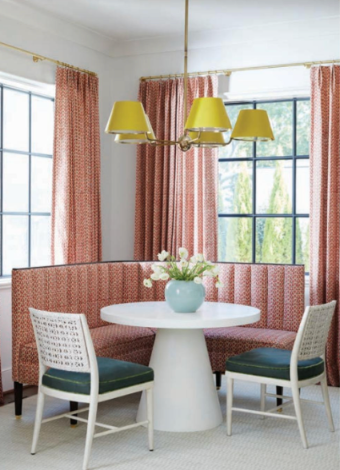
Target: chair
303	366
70	370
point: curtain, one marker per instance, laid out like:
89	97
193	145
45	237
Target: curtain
76	223
176	192
325	202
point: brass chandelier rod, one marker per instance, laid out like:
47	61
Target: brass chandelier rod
228	72
39	57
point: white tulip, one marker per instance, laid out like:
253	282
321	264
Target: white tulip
183	263
155	276
209	273
164	276
163	255
200	257
215	270
147	283
193	260
155	268
198	280
183	253
219	284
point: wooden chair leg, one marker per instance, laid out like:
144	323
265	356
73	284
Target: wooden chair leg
230	391
73	407
149	403
297	406
263	398
218	377
279	391
325	395
90	432
18	389
38	419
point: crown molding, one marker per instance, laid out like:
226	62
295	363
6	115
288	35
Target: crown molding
53	25
203	40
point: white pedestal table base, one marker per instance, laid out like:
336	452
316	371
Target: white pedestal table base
185	397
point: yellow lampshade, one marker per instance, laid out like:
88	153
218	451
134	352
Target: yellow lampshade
136	138
252	125
127	117
208	114
207	139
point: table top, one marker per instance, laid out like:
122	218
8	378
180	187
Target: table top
159	315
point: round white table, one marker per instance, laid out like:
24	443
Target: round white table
185	397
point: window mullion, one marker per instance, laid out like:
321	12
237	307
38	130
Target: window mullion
29	176
294	185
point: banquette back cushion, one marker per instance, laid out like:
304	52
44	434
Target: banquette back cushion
278	290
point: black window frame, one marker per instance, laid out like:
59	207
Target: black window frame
254	159
30	154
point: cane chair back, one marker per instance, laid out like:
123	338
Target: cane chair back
61	340
313	332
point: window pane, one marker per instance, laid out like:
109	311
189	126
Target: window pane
41	184
42	125
234	235
274	187
15	182
236	149
302	242
235	187
302	186
15	120
15	242
281	118
302	127
274	240
40	240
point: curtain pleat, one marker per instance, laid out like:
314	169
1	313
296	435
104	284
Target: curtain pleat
76	219
325	203
176	192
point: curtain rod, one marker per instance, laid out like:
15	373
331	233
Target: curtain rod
228	72
38	57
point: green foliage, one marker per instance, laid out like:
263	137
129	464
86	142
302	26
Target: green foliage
239	246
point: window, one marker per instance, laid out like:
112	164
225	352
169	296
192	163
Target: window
264	189
26	141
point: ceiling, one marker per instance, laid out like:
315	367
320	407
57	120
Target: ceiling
128	20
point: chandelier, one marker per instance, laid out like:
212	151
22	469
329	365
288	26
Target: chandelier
204	127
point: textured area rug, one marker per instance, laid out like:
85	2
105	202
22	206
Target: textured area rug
256	444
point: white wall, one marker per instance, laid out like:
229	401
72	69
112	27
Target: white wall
118	78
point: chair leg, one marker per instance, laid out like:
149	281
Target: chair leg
73	407
149	404
18	388
263	398
325	395
297	406
38	419
230	390
218	377
279	391
90	433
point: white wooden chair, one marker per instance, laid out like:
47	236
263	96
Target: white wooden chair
70	370
303	366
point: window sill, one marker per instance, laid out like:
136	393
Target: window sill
5	283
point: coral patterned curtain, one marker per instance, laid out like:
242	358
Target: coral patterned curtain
325	202
176	192
76	223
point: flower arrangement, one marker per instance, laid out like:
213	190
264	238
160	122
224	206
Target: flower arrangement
183	270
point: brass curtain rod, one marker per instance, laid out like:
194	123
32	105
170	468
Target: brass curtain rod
38	57
228	72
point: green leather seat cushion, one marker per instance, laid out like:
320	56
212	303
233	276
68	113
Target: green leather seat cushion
113	375
274	363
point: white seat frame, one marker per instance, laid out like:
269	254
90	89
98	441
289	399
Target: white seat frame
310	343
58	351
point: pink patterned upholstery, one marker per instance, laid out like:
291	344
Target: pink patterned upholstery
85	288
